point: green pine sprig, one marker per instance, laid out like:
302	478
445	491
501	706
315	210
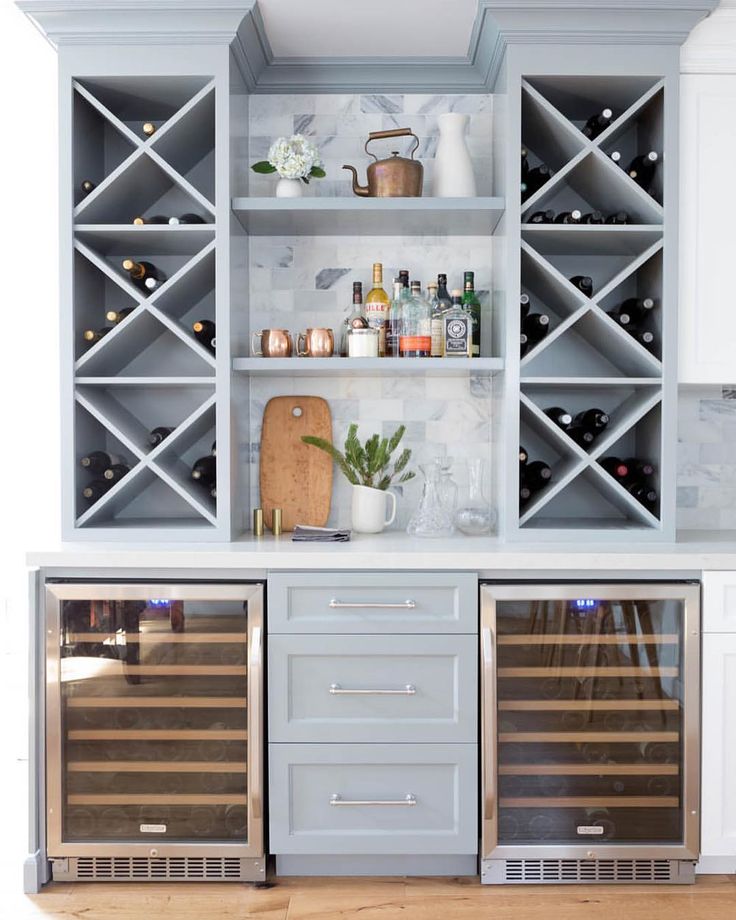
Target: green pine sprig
368	464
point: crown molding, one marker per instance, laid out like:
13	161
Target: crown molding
712	46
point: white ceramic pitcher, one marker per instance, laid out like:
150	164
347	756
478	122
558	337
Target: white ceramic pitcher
369	511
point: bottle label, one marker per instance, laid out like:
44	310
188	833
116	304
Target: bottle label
437	338
375	314
457	336
422	343
590	830
152	828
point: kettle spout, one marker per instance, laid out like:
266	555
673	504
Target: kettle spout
358	189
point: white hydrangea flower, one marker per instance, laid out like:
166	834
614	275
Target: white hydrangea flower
293	157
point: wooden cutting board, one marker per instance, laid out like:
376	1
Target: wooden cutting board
294	476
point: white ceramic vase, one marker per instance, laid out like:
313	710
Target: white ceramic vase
369	509
453	168
289	188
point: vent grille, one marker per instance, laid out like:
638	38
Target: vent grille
168	868
590	870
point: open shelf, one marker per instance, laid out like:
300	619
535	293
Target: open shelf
373	216
368	367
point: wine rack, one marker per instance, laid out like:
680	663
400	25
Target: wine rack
149	369
590	720
587	358
154	734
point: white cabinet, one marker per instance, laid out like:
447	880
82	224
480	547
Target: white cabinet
707	229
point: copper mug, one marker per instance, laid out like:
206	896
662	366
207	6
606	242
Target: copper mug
315	343
274	343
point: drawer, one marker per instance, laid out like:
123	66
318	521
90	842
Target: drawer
719	602
373	688
373	602
373	798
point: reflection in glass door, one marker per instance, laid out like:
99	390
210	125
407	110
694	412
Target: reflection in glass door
591	719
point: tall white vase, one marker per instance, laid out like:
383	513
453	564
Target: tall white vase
453	168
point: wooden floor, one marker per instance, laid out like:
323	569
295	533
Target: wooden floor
711	898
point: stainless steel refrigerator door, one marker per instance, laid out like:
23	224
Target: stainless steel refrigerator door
660	827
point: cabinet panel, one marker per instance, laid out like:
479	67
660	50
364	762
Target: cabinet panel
718	830
373	688
719	602
707	232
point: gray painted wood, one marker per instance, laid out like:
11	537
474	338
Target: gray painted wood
433	679
367	367
437	603
394	865
441	777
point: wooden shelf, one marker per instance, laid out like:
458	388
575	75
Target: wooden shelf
587	705
155	766
570	639
575	671
589	769
369	367
157	702
154	799
112	667
158	637
156	734
593	801
585	736
370	216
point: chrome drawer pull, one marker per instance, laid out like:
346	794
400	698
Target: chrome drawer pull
405	605
409	799
337	690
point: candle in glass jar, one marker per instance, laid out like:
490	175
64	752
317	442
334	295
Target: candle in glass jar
363	343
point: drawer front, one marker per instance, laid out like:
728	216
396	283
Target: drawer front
373	798
372	602
719	602
373	688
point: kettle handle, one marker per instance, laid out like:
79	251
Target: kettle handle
394	132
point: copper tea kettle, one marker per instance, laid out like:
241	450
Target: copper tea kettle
394	177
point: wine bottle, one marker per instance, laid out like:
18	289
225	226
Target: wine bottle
592	217
523	455
472	305
583	283
645	338
95	489
156	219
94	335
213	451
616	156
569	217
97	461
204	471
581	435
536	475
524	304
595	419
535	326
642	168
637	308
144	275
187	219
524	163
542	217
148	128
619	217
525	493
377	306
600	817
559	416
117	316
639	469
620	317
536	178
393	329
116	471
158	435
617	468
523	344
541	827
87	186
659	785
597	123
204	331
643	493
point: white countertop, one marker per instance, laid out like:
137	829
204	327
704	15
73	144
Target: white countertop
397	551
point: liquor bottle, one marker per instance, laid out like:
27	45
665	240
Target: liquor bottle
535	327
148	128
620	317
156	219
536	475
187	219
457	329
415	338
144	275
617	468
569	217
594	419
94	335
593	217
524	304
542	217
356	319
204	331
523	456
376	307
559	416
436	313
582	436
637	308
97	461
597	123
536	178
116	471
642	168
158	435
87	186
472	305
639	469
643	493
619	217
442	294
583	283
204	471
117	316
394	321
95	489
645	338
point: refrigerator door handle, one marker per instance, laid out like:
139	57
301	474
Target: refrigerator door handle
489	725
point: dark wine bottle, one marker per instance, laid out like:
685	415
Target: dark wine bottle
569	217
155	219
535	326
583	283
524	163
116	471
524	344
536	475
87	186
593	217
597	123
616	156
616	467
637	308
204	331
581	435
645	338
94	335
542	217
117	316
187	219
524	304
204	471
620	317
213	451
642	168
595	419
144	275
523	455
158	435
525	493
536	178
643	493
148	128
95	489
213	491
559	416
619	217
97	461
639	469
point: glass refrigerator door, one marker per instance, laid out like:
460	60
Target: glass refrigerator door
151	695
592	721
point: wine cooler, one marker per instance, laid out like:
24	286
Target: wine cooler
154	733
590	730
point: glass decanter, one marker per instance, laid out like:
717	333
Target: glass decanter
431	519
447	487
474	515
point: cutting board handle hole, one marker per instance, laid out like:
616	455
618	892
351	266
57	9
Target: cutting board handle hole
296	411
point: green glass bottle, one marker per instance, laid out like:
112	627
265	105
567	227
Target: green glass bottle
472	305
